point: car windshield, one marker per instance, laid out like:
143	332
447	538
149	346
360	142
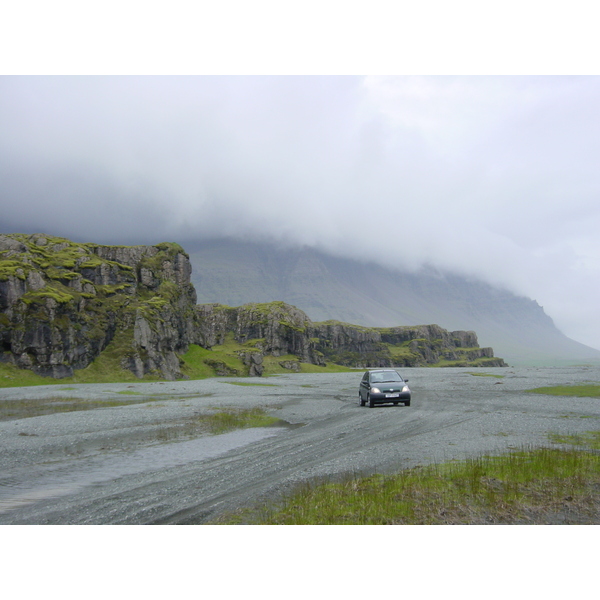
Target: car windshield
385	377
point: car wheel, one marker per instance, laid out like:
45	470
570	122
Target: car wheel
360	400
395	403
407	403
370	401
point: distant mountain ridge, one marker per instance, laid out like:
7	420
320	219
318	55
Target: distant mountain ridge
328	287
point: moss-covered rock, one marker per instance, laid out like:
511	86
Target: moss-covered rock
62	304
277	329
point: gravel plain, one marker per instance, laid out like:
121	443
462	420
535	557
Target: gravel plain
128	465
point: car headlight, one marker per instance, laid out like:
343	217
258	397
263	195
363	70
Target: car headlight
375	390
405	389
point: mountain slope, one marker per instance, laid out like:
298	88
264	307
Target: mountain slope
328	287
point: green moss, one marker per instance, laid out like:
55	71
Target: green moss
199	363
111	290
262	312
167	252
291	326
50	291
61	274
93	262
332	322
169	290
172	249
107	368
13	268
402	351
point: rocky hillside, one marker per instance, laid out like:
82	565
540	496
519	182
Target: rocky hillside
407	346
278	329
63	305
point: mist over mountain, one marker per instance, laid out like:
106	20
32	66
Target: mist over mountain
329	287
493	178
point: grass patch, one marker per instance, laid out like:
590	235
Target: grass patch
328	368
220	421
589	439
591	390
224	360
221	360
194	366
543	485
487	375
402	352
238	418
11	376
248	383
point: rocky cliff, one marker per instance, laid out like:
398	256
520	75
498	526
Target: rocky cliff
408	346
279	329
63	305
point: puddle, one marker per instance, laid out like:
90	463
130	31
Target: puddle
52	481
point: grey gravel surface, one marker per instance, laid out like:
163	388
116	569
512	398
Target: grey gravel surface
124	465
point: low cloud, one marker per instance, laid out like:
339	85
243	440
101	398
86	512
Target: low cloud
493	177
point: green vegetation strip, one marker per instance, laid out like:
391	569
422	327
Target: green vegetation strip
249	383
487	375
591	439
591	390
237	418
220	421
528	486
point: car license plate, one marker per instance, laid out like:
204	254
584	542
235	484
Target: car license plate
392	395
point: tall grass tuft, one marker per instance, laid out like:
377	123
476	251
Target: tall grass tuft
529	486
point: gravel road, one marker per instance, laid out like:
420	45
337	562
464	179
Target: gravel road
124	465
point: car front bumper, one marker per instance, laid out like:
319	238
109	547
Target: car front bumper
389	397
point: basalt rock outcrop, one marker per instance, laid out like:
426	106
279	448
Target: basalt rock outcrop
65	305
275	329
279	329
404	346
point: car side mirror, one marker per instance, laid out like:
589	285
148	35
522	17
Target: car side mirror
406	380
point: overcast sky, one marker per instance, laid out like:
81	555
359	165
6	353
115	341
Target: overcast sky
490	176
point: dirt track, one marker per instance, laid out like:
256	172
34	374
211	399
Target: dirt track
116	465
